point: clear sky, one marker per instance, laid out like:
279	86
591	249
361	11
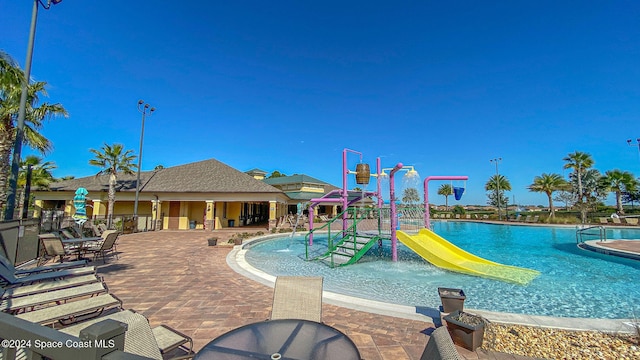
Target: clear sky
287	85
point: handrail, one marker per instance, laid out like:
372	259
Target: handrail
582	232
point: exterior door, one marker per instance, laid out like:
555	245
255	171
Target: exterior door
174	215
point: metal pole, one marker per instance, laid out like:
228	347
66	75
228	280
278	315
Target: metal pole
143	110
17	146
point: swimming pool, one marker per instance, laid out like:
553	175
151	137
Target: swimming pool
573	282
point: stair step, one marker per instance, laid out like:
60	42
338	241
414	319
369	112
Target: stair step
341	258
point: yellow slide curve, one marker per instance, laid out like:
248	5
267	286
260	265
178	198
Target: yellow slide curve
444	254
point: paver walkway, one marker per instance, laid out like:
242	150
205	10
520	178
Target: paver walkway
175	278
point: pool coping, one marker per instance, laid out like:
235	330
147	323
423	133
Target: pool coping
236	260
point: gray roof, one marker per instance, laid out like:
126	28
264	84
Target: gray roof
294	179
198	177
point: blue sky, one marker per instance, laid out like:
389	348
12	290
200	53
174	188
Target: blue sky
287	85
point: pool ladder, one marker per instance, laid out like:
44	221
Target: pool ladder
591	233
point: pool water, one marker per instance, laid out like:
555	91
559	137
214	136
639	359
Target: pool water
572	283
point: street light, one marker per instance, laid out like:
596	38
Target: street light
142	109
497	160
630	144
17	146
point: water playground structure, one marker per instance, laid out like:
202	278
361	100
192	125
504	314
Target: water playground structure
364	223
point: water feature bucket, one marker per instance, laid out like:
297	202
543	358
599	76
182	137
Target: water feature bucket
457	192
363	174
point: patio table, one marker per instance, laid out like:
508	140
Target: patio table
281	339
79	243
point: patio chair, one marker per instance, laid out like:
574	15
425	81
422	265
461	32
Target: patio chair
297	297
140	338
603	220
9	279
104	246
616	220
528	219
24	303
73	311
53	246
631	221
440	346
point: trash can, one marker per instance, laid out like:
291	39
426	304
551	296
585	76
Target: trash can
231	223
192	224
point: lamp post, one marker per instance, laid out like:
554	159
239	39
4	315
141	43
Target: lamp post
22	110
497	160
142	109
630	144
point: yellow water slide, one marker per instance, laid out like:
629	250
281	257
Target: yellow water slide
444	254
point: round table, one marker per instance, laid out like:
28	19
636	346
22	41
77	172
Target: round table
281	339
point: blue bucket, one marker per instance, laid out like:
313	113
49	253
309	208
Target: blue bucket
457	192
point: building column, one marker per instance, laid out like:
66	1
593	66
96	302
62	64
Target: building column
156	205
209	222
273	215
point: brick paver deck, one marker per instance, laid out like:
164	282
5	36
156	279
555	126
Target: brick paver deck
175	278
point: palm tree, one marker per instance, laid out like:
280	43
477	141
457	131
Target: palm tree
579	162
40	175
113	160
548	183
618	182
445	190
410	196
494	184
11	79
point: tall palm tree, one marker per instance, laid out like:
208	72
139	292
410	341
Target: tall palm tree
113	160
580	162
11	79
548	183
495	183
445	190
41	175
618	181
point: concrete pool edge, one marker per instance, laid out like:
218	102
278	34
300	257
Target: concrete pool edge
236	260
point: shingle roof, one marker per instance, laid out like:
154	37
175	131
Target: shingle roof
198	177
294	179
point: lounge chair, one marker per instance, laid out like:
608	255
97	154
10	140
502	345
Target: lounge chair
440	346
603	220
16	305
616	220
518	218
297	297
52	285
535	219
11	280
528	219
105	246
140	338
53	267
73	311
631	221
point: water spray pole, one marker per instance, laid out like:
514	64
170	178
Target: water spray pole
379	192
427	218
392	199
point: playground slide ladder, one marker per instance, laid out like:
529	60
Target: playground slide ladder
349	250
344	247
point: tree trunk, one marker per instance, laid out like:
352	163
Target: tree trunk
446	202
552	212
6	147
619	202
112	199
